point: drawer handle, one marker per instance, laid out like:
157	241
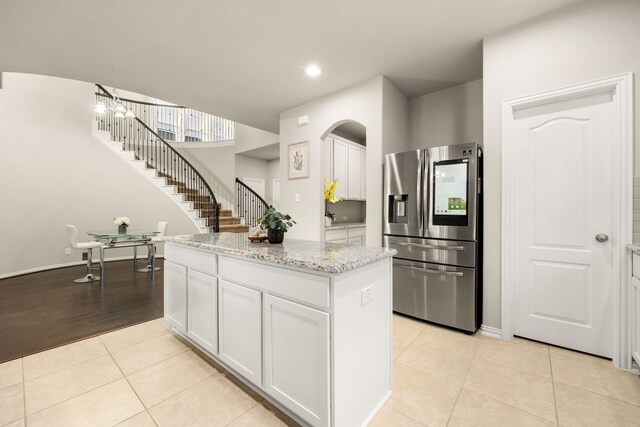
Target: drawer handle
419	245
430	271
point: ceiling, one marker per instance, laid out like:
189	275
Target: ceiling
244	60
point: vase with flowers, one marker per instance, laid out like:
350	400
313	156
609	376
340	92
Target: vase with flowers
329	199
122	222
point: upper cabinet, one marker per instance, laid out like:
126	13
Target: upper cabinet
345	162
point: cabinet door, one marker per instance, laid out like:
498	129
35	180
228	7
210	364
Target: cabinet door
353	171
340	166
327	167
202	326
363	174
297	358
240	329
175	295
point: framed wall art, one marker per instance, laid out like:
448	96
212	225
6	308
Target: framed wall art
299	160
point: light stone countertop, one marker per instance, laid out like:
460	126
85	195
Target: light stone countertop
634	247
308	255
345	225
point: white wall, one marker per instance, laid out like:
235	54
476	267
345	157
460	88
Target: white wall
53	173
249	167
582	43
447	117
382	110
248	138
274	173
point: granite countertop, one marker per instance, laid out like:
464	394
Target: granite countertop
345	225
309	255
634	247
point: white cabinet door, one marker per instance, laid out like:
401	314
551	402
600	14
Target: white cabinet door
353	172
175	295
363	173
297	358
240	330
635	328
327	167
202	326
340	167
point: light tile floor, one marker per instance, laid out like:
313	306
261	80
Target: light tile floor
145	376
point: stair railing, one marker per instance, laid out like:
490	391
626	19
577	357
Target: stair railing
249	204
136	136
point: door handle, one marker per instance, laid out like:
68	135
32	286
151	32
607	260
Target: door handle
419	245
430	271
601	237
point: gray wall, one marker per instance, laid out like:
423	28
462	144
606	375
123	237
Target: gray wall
54	172
447	117
589	41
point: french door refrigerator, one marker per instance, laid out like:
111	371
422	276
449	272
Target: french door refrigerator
433	218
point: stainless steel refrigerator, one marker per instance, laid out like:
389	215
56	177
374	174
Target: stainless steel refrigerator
433	218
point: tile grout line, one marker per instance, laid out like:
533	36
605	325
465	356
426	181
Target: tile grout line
166	332
409	345
24	393
164	400
475	350
235	419
66	367
553	388
133	389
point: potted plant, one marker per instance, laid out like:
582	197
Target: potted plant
122	222
276	224
329	198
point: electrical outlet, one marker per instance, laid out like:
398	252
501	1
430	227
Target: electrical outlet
366	295
297	196
84	256
67	251
344	218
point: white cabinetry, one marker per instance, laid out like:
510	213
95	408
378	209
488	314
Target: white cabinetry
203	310
340	167
175	291
346	163
241	330
351	235
303	339
297	355
635	301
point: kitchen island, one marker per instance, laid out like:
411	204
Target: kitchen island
305	324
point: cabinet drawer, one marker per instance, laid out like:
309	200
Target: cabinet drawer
293	285
335	235
357	231
204	262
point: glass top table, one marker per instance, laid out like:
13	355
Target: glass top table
110	235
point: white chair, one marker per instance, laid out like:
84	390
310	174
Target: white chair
72	234
157	238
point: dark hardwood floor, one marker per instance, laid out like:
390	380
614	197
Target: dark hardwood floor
43	310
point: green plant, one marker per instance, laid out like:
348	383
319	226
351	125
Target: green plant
274	220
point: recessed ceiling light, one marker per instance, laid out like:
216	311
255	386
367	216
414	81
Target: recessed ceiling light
313	70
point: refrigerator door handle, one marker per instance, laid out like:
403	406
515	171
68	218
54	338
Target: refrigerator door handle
419	245
419	201
430	271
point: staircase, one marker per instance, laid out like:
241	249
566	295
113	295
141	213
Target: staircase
155	159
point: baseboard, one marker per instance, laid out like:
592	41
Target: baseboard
490	331
67	264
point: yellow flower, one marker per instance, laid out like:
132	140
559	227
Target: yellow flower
329	191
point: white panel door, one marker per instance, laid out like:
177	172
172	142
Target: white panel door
202	301
256	185
353	171
175	295
275	190
340	166
563	185
297	358
240	330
